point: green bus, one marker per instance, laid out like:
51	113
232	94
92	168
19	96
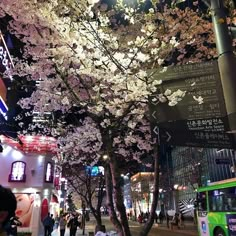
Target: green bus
216	208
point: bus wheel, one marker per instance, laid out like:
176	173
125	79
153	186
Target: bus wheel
219	232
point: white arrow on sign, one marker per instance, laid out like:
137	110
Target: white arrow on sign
156	130
153	115
168	137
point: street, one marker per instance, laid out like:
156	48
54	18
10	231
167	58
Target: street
156	230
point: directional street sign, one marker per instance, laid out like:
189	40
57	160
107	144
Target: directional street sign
189	123
205	139
200	79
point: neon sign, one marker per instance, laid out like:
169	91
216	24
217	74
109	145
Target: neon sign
3	108
6	65
5	58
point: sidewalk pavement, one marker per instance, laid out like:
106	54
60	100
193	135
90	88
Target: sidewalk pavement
89	228
190	229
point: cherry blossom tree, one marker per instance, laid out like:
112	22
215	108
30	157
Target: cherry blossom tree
97	57
88	187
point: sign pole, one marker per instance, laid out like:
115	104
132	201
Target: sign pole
226	60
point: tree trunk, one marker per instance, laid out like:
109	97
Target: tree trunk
98	219
147	227
97	215
118	196
100	196
110	203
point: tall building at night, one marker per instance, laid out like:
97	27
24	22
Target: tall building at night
194	167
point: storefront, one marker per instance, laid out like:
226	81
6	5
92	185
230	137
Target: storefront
29	172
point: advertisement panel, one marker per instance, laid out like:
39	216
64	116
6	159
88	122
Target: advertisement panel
25	204
203	225
231	222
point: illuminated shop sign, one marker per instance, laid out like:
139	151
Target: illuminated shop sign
6	62
3	108
6	65
94	170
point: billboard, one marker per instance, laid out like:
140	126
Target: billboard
25	204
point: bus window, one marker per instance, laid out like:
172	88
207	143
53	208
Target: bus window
202	201
222	199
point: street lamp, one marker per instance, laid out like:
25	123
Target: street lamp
176	186
105	157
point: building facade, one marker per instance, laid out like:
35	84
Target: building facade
194	167
29	172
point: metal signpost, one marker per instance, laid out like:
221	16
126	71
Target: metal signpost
226	60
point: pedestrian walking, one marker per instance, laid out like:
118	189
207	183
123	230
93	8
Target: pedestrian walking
140	219
181	220
156	217
7	208
73	224
52	223
161	217
47	223
62	225
167	220
57	219
175	221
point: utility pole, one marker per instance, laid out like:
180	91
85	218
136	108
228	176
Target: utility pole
226	60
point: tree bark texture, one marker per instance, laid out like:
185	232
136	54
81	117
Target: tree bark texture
110	203
148	225
118	196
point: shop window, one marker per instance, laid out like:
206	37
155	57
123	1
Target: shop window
17	172
49	173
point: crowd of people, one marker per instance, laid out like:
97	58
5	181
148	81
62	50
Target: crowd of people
176	220
73	221
9	220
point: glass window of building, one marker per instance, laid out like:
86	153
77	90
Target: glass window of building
17	172
49	173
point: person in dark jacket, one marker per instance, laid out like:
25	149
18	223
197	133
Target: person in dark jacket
73	224
47	223
11	227
52	223
62	225
161	217
7	208
167	220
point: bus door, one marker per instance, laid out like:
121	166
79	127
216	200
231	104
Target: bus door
203	226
